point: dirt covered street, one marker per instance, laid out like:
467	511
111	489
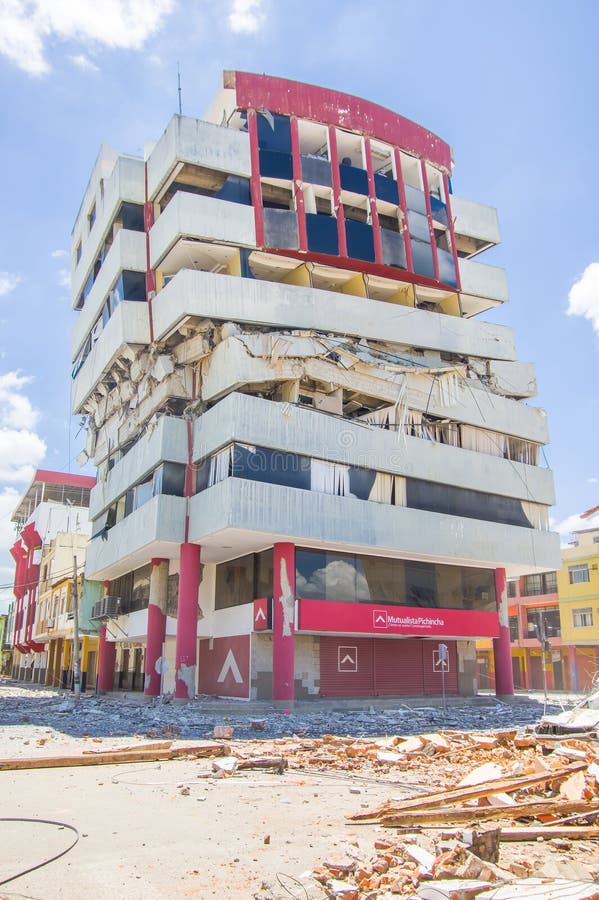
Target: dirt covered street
378	802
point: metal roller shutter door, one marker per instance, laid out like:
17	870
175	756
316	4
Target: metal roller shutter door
432	679
346	667
398	667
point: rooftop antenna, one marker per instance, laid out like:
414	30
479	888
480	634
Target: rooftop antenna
179	87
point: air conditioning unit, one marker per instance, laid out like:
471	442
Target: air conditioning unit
106	608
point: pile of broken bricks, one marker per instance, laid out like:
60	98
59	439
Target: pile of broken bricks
438	844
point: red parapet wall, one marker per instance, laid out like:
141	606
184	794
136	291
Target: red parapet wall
293	98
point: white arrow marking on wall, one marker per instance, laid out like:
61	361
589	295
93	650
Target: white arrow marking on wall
260	615
348	658
230	665
380	619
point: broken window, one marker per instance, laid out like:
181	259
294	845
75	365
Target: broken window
314	152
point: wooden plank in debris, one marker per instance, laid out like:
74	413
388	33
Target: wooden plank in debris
532	833
156	745
482	813
111	757
459	795
263	762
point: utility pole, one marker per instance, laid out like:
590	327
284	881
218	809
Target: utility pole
545	645
76	657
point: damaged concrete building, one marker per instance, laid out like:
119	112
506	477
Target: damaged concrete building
314	459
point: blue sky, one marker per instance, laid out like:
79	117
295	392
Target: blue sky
511	86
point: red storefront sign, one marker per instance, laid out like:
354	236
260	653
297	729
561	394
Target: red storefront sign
368	618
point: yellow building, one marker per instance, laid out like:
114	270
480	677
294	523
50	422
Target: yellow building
578	589
54	620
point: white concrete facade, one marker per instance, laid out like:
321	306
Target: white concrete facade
329	358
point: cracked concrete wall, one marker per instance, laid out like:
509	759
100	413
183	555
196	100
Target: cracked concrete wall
231	365
307	666
261	667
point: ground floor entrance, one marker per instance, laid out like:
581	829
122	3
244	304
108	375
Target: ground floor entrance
371	667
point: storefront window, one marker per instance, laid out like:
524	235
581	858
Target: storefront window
322	575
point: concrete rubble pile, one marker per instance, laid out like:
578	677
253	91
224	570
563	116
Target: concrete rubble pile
127	714
582	719
501	810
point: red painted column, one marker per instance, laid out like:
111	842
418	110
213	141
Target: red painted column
283	625
502	652
187	622
156	624
255	184
374	213
106	661
336	181
298	194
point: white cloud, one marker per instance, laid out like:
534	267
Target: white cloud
8	282
58	254
27	25
9	498
16	410
583	299
593	480
246	16
82	62
573	523
64	278
20	453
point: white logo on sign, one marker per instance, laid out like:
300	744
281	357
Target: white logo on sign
230	665
347	659
379	618
260	615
